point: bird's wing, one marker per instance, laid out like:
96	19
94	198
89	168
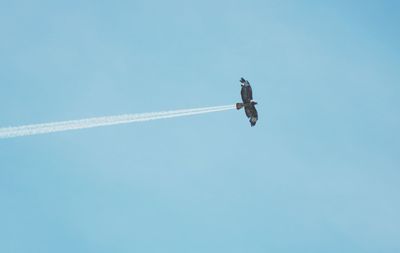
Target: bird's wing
252	114
246	92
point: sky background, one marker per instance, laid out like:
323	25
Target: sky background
319	172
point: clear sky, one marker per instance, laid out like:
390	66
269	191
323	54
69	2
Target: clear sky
319	172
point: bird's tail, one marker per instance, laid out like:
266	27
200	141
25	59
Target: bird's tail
239	106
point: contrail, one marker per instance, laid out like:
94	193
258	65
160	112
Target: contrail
44	128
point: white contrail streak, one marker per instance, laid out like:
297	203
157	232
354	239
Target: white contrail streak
44	128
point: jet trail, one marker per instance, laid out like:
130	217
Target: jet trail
44	128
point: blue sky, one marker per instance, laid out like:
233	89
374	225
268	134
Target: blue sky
319	172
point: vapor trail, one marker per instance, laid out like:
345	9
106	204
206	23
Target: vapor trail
44	128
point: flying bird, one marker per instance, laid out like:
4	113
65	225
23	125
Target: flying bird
248	102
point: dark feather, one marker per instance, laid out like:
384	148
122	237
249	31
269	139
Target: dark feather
251	113
246	92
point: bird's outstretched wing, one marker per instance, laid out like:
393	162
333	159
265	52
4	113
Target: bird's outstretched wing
246	92
252	114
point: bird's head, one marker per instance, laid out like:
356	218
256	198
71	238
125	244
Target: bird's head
253	102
